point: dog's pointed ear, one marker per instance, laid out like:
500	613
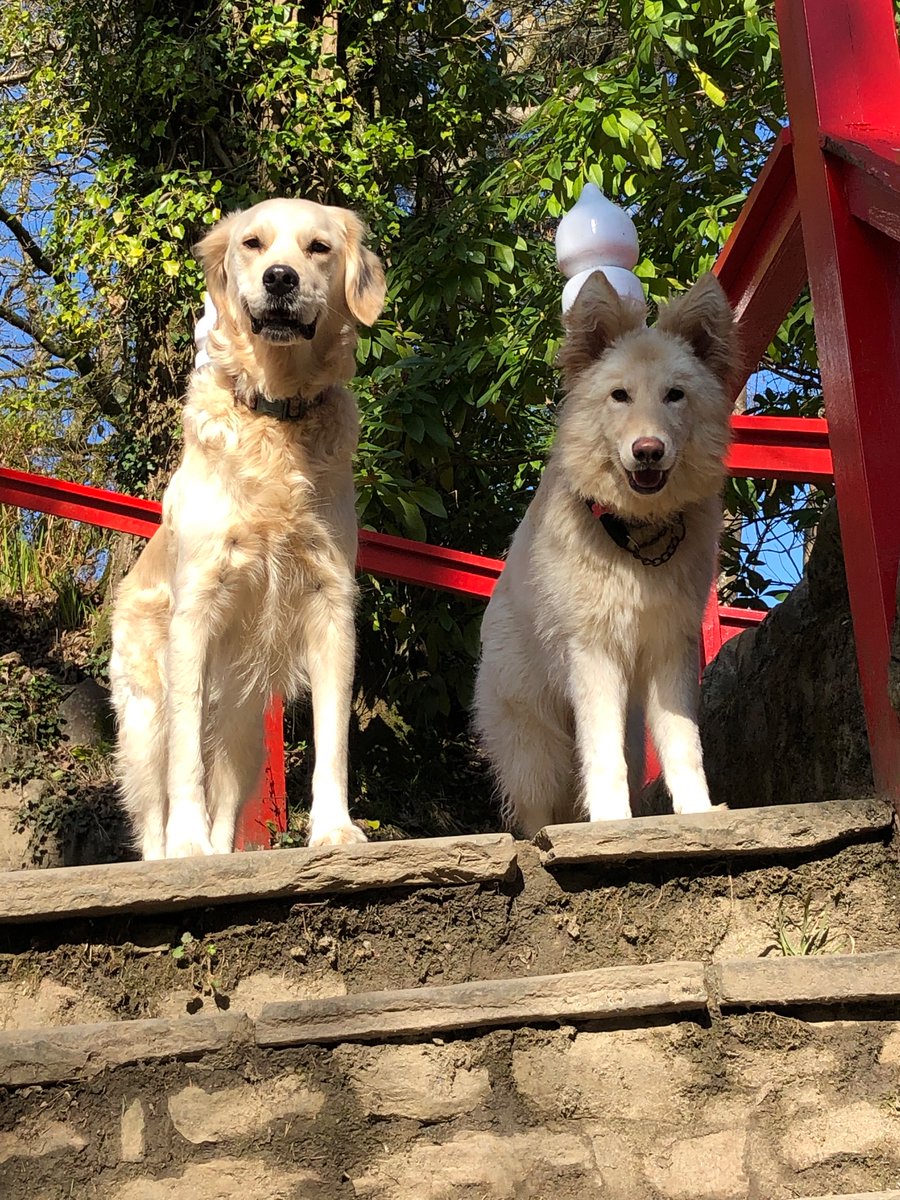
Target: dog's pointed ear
598	316
364	285
211	252
705	319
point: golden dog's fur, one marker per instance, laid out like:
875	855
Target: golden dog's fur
248	587
580	639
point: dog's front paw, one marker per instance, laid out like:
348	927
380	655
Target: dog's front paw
187	835
338	835
686	805
189	848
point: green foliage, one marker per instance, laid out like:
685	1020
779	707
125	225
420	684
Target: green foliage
68	798
29	705
809	933
201	960
461	132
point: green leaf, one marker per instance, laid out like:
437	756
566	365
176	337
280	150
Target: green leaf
711	88
413	518
505	256
429	500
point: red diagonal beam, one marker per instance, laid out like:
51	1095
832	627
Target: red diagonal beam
842	82
431	566
871	177
762	266
379	553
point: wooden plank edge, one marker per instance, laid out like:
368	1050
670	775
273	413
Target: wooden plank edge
138	887
598	841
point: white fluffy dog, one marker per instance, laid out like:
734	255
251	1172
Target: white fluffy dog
595	620
247	589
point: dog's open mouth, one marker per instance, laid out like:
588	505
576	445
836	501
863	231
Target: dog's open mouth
279	327
648	480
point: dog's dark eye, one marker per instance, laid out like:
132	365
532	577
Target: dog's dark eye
318	247
674	394
253	243
621	395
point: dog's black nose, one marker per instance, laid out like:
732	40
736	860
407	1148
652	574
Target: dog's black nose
279	279
648	450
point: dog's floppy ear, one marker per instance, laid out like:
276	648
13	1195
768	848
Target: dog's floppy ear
704	318
598	316
211	251
364	284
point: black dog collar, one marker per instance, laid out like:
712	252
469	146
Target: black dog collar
287	408
621	534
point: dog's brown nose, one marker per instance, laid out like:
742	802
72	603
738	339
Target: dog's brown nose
278	280
647	450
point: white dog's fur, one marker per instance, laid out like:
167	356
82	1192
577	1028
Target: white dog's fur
247	589
580	640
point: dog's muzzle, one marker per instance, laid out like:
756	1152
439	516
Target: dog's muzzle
276	325
647	480
648	475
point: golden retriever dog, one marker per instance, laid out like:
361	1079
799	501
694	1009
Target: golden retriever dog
248	589
595	620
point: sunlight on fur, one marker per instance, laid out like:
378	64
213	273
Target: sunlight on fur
585	638
247	589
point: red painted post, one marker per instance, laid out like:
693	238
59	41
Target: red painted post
762	265
270	802
842	80
710	630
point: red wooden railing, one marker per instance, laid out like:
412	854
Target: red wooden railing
825	209
778	447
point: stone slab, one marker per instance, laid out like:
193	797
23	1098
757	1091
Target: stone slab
721	833
583	995
74	1051
826	979
893	1195
57	1053
140	887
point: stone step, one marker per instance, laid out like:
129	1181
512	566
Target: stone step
722	833
635	994
686	1106
491	911
173	885
142	887
421	1021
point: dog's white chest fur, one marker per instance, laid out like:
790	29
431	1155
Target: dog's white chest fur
279	497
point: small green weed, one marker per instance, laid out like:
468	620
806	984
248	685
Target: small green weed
201	959
808	934
284	839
